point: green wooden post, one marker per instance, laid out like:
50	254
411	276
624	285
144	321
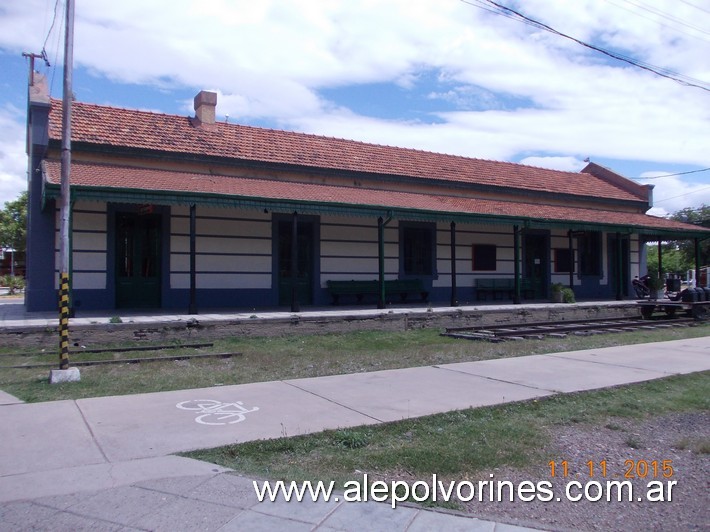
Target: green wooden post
381	261
454	298
516	260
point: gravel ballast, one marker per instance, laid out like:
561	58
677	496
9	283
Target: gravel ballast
627	446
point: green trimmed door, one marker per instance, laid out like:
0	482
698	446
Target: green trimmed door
304	273
138	260
536	263
619	266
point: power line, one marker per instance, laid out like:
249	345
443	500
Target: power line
693	5
681	195
671	175
665	73
54	20
664	15
660	14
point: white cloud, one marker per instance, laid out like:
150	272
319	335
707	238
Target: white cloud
672	194
13	160
270	60
566	164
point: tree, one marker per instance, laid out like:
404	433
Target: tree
674	261
700	217
13	224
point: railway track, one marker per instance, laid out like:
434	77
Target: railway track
540	330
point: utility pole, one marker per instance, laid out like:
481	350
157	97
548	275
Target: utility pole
65	373
32	57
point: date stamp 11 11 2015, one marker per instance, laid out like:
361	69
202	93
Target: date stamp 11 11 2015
633	469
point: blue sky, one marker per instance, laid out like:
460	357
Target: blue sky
439	75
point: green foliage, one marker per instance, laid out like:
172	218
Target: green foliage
568	295
656	283
675	260
678	256
351	438
13	224
14	283
700	217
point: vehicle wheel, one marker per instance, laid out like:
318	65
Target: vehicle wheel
700	312
647	311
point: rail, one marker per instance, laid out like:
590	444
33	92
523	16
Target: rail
540	330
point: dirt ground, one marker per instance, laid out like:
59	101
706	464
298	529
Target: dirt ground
630	448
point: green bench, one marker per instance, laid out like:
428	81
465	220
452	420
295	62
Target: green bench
359	289
503	287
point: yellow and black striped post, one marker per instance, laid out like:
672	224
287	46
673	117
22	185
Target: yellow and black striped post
64	321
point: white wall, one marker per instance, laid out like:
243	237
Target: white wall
89	244
349	249
233	248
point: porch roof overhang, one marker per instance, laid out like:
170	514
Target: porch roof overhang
123	184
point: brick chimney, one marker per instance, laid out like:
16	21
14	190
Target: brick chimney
205	104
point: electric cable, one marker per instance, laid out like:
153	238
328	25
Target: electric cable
671	175
665	73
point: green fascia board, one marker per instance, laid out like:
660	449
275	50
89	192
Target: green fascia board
138	196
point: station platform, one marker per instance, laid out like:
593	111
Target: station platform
18	327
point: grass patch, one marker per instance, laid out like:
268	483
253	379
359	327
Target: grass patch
266	359
457	445
696	445
633	442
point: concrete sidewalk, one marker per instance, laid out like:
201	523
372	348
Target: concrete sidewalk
105	462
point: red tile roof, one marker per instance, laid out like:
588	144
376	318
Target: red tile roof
148	180
114	127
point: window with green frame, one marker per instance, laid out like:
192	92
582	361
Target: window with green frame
417	249
590	253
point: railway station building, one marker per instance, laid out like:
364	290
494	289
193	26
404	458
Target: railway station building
190	213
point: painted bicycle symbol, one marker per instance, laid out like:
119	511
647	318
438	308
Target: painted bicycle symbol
211	412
